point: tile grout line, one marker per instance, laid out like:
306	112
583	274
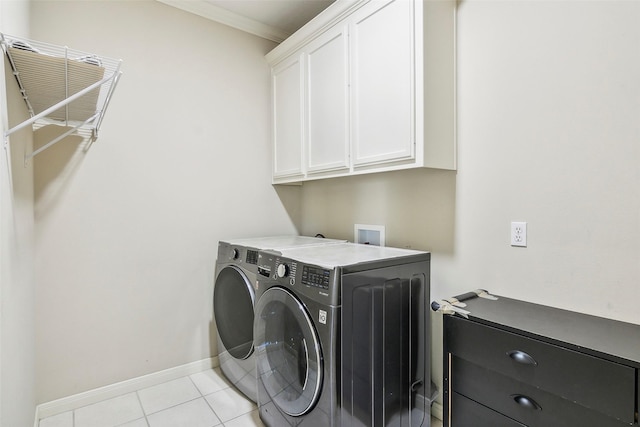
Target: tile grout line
241	415
213	410
202	396
195	385
209	404
144	414
171	407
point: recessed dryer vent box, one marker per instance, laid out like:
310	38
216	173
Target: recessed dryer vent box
369	234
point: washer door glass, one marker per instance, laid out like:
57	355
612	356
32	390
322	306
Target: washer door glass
288	352
233	309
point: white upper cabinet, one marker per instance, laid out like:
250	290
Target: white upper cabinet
287	85
377	92
328	102
288	117
382	83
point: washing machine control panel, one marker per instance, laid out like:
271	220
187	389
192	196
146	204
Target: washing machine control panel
315	276
304	279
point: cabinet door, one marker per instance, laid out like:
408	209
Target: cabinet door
328	101
287	84
383	82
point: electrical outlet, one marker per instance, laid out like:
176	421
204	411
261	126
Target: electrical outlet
519	234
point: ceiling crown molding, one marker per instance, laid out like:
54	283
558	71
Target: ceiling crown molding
223	16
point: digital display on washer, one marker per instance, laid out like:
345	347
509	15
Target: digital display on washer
252	257
314	276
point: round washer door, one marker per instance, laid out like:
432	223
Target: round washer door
233	309
288	353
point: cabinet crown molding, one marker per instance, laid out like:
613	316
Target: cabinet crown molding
326	19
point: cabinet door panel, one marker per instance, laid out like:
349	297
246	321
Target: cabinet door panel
287	110
383	82
328	101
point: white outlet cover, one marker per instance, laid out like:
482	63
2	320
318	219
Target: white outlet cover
519	234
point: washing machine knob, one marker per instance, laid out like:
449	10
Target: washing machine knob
283	270
234	253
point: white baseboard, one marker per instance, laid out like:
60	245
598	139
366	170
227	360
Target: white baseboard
436	408
437	411
79	400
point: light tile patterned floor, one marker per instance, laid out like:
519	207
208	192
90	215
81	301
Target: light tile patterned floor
204	399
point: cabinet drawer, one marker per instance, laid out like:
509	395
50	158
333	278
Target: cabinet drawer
522	402
591	382
472	414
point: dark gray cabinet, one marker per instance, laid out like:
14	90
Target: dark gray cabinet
513	363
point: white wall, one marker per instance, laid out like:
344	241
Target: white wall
127	233
17	346
548	133
548	98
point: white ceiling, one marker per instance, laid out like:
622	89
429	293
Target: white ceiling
271	19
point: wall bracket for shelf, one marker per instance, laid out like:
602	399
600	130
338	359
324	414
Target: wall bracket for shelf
60	86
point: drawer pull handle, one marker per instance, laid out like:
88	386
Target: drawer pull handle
526	402
522	357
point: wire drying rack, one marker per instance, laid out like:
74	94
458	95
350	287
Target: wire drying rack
60	86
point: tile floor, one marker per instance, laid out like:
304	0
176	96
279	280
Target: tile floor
204	399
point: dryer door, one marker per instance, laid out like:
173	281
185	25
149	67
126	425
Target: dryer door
233	308
288	352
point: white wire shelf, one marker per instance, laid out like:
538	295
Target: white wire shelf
61	86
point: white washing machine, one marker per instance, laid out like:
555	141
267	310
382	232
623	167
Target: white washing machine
233	302
341	334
